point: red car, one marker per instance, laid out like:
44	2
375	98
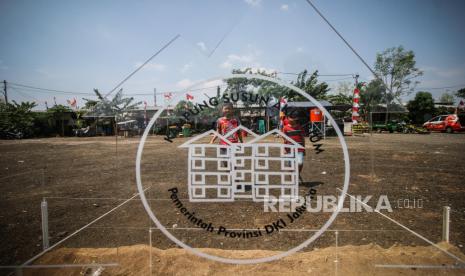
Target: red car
447	123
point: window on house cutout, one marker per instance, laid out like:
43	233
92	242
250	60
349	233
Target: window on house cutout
223	165
287	164
239	149
287	178
199	179
239	162
223	179
198	164
262	164
262	178
239	175
262	192
286	192
198	192
262	151
198	151
222	152
287	154
224	192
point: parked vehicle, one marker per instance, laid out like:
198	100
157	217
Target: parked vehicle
446	123
391	126
13	134
411	128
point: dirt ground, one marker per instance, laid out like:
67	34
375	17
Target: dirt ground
346	260
83	178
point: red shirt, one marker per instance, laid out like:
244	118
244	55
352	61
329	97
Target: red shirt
225	125
285	121
296	133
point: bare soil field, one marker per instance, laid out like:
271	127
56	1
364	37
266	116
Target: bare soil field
83	178
346	260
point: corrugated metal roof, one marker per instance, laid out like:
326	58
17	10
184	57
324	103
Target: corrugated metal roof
308	104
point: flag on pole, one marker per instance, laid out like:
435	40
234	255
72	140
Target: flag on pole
167	96
356	106
189	97
72	103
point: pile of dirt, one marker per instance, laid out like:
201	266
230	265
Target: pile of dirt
345	260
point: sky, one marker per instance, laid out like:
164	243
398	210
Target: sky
76	46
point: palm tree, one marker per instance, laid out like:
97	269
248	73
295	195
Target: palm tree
117	108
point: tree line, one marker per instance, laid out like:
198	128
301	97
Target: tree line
396	76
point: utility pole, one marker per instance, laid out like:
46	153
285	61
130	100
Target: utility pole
154	97
5	92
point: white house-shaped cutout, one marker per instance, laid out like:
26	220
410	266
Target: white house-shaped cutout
242	168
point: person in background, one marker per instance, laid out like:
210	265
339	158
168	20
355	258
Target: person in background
227	123
223	126
294	130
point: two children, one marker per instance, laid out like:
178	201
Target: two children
291	128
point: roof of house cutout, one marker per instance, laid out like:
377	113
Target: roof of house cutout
275	131
198	137
240	127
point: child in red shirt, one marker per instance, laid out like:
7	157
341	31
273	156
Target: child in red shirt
227	123
223	126
294	130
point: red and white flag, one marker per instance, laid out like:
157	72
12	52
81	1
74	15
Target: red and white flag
168	95
189	97
72	103
356	106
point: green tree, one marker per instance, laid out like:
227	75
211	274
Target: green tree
421	108
309	84
396	68
59	113
371	96
90	104
340	99
263	87
344	95
442	110
17	118
304	81
460	93
59	108
447	98
182	106
117	107
345	87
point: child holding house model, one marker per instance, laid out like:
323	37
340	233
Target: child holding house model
223	126
294	130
